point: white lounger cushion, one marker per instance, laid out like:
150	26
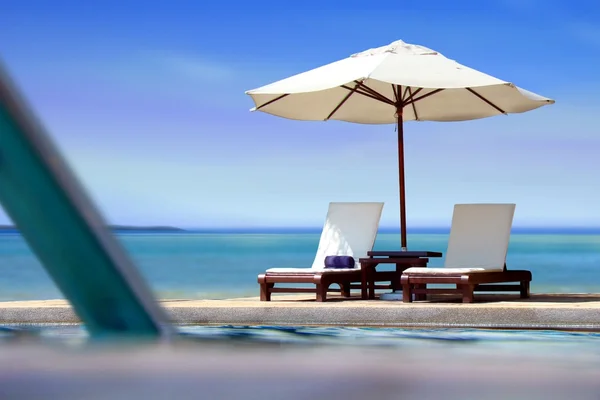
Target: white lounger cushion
478	240
350	230
448	271
301	271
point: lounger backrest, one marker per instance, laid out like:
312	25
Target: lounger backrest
479	236
350	230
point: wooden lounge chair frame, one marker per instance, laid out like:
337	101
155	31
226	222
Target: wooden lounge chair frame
322	281
476	225
350	229
466	284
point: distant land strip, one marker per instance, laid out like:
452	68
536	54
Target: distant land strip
118	228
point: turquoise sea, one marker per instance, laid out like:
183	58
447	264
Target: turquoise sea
222	265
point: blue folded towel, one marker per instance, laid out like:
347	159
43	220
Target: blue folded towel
339	262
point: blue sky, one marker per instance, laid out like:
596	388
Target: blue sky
146	100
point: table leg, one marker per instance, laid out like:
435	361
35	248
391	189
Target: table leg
363	282
397	285
372	282
371	277
420	296
401	266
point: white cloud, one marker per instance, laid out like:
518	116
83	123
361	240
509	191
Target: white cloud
196	68
165	69
585	32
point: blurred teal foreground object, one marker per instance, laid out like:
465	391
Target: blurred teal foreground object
61	225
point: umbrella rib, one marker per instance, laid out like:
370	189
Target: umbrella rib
395	90
486	100
272	101
367	94
412	96
374	93
414	100
406	90
359	92
341	103
374	96
413	104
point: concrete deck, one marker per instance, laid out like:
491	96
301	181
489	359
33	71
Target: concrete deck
542	311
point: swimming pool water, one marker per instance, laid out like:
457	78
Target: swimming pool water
336	336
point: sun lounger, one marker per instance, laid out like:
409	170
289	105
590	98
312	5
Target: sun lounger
476	256
350	230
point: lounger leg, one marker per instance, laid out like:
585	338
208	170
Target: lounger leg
406	289
467	293
265	288
345	288
322	284
525	290
322	292
265	291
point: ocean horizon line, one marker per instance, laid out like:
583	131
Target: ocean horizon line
294	229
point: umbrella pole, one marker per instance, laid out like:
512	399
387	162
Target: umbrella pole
401	178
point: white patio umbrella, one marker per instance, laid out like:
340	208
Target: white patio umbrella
391	84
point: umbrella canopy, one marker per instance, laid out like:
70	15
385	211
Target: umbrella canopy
391	84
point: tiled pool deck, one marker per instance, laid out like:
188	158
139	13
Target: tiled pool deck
542	311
